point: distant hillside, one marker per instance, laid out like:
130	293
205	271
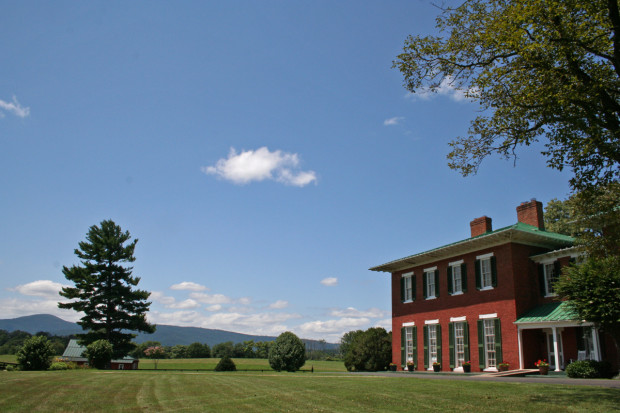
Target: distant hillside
166	335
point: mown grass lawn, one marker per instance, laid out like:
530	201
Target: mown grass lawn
92	390
242	364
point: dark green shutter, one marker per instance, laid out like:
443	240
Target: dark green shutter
424	286
541	279
403	340
498	341
402	289
415	344
436	283
481	352
425	331
478	275
464	277
451	334
466	340
438	333
493	272
450	288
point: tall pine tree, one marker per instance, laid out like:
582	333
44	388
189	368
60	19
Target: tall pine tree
104	289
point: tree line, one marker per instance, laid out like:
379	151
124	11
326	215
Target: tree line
12	342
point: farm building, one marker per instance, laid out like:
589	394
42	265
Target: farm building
75	353
489	299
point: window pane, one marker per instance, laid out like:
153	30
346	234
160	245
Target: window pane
489	342
430	284
456	279
432	343
459	344
485	272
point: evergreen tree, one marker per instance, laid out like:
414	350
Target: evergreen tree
104	289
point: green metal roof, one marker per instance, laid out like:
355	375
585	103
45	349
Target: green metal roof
74	349
551	312
518	233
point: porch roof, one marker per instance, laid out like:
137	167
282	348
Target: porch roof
549	313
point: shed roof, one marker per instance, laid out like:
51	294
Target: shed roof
550	312
519	233
76	351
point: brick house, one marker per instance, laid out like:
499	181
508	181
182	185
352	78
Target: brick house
489	299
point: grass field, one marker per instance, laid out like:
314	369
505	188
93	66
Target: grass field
93	390
242	364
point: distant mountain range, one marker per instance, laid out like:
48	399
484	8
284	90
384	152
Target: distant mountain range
166	335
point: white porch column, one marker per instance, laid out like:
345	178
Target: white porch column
596	344
556	349
520	341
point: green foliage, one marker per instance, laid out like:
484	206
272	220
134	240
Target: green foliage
59	365
198	351
104	289
226	364
369	350
10	343
592	289
99	354
35	354
287	353
221	350
541	70
589	369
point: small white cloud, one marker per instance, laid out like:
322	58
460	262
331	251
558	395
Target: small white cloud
393	121
214	307
330	281
211	298
185	304
188	285
40	288
352	312
447	88
279	304
14	107
161	298
334	326
260	165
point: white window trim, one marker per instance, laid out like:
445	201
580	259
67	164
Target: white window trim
409	275
431	272
458	319
483	316
430	269
483	256
409	324
455	263
427	322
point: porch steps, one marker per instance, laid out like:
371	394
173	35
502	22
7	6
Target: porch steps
510	373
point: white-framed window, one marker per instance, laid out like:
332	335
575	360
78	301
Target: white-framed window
459	344
489	343
486	276
430	284
409	343
407	287
551	276
432	344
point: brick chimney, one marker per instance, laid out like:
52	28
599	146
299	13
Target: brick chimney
480	226
531	213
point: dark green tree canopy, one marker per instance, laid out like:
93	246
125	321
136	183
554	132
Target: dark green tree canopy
35	354
104	289
287	353
544	70
369	350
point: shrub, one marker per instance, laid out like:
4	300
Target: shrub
589	369
35	354
99	354
59	365
287	353
10	368
226	364
369	350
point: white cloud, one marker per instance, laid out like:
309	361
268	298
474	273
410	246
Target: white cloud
260	165
214	307
279	304
393	121
40	288
185	304
13	307
339	326
211	298
330	281
447	88
14	107
161	298
352	312
188	285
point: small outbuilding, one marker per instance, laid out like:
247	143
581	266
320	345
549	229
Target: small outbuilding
75	353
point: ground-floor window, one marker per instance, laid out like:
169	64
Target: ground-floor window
489	343
432	345
408	345
459	344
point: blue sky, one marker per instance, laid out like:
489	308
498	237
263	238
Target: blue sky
265	154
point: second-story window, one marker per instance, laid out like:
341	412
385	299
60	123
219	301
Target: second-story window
457	278
486	273
431	283
549	275
407	287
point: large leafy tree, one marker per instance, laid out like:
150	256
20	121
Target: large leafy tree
542	70
369	350
104	289
287	353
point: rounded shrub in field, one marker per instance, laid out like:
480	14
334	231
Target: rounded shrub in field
99	354
589	369
35	354
226	364
287	353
